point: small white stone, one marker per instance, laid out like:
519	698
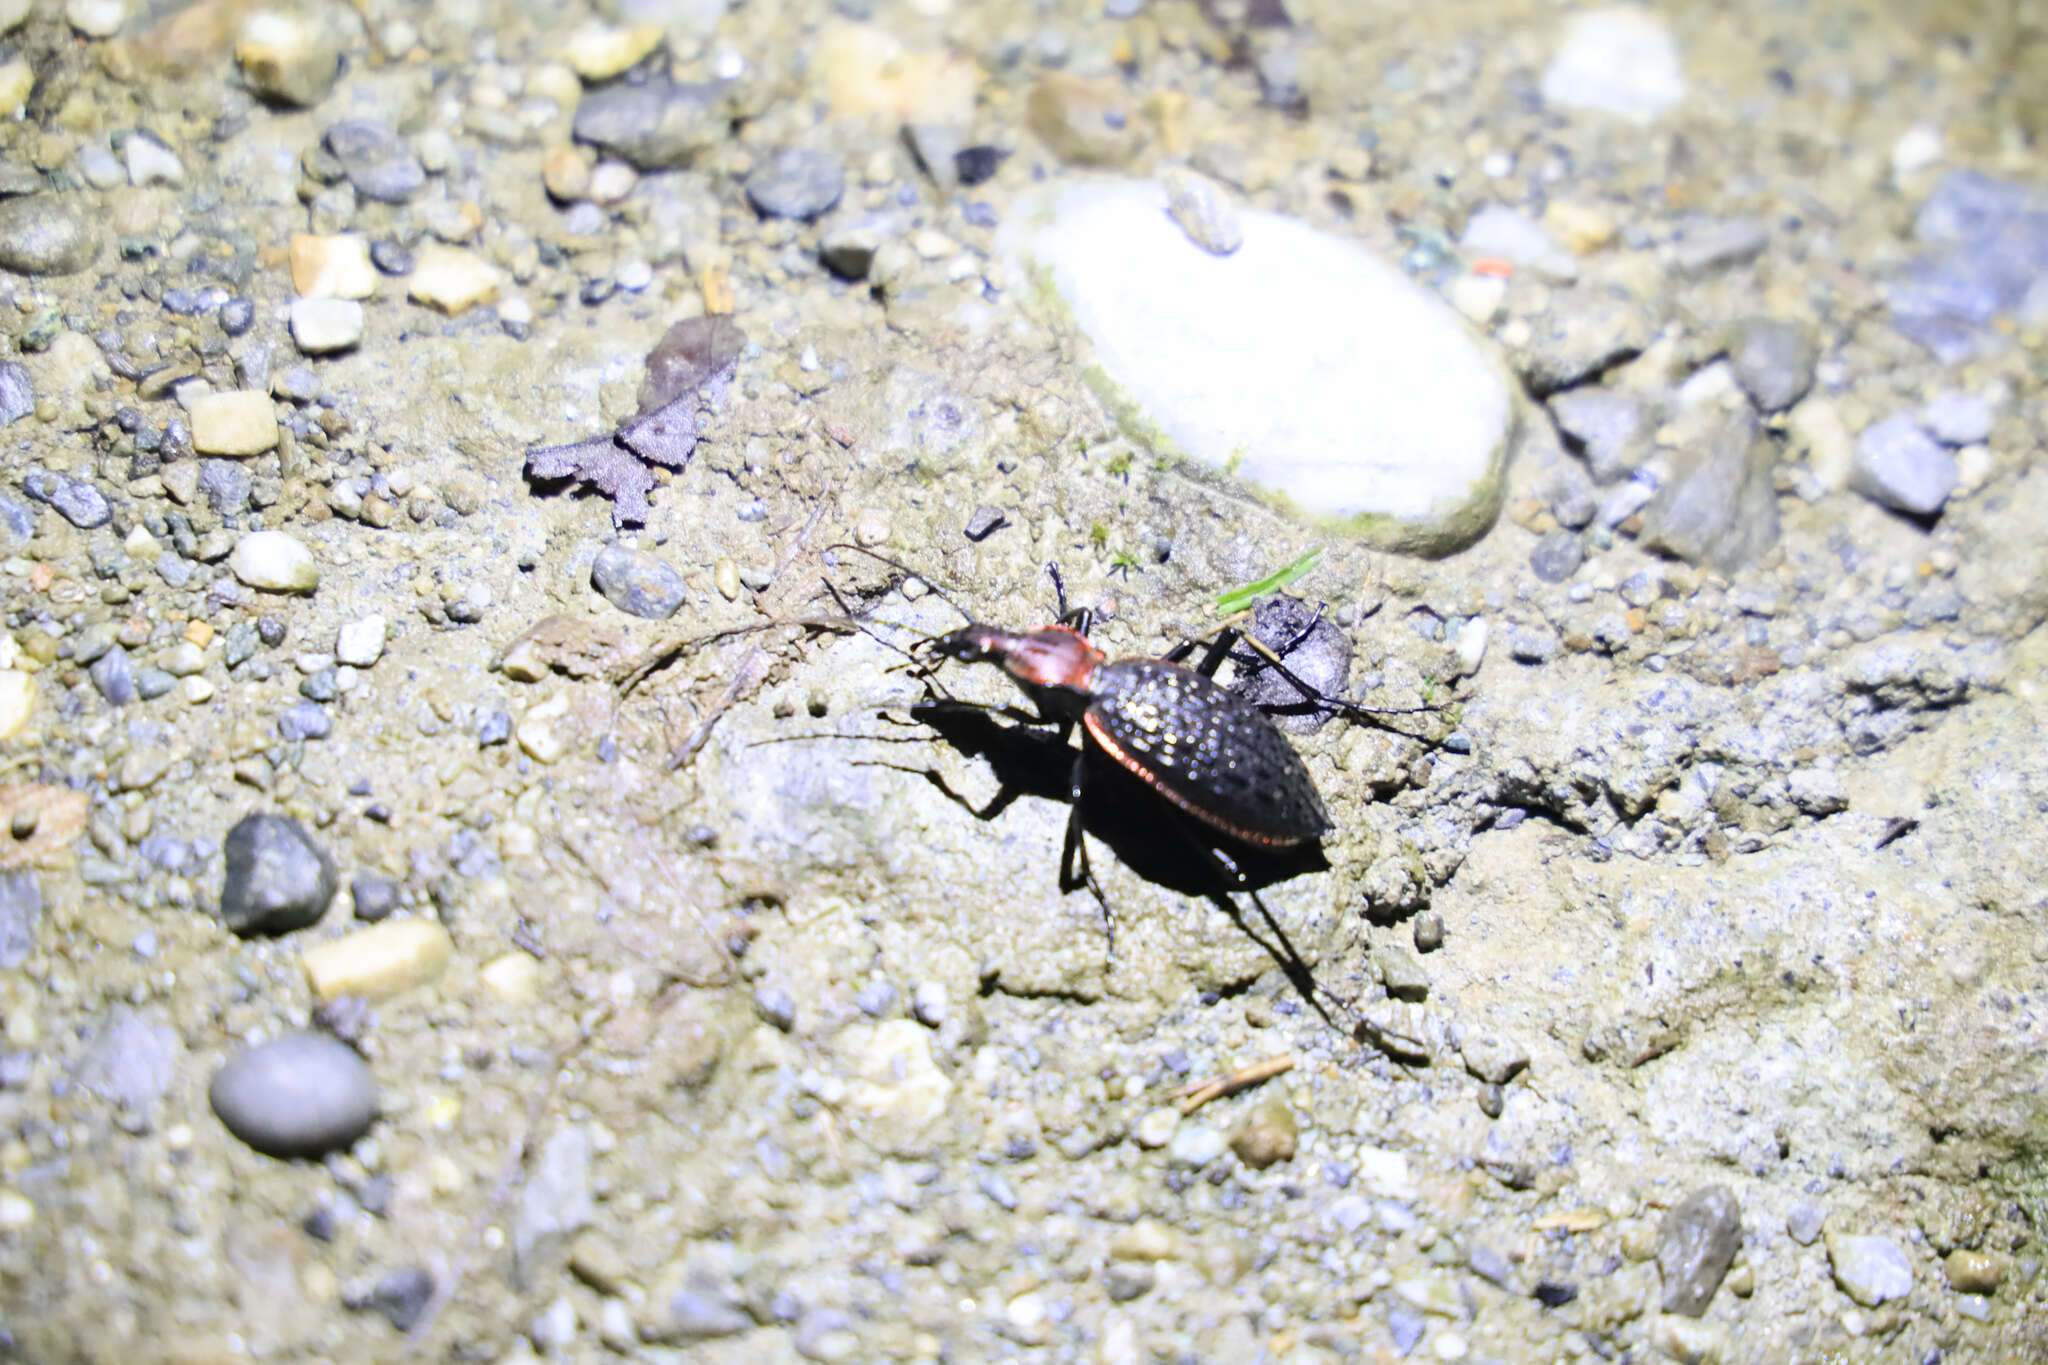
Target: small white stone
1155	1127
239	422
453	280
514	976
197	690
183	659
324	326
96	18
1917	149
536	731
13	13
151	163
611	181
361	643
1620	61
275	562
1471	645
17	700
1479	297
598	53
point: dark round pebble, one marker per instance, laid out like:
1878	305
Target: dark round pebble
277	879
237	316
977	165
1557	556
300	1095
270	630
114	676
375	898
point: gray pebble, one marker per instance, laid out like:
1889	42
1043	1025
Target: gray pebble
1606	426
323	684
375	898
556	1200
1405	1324
1489	1265
777	1006
1719	506
936	145
1712	246
1898	465
1557	556
1401	972
21	910
114	676
305	720
1534	645
375	159
17	394
694	1316
1696	1244
875	999
985	522
1429	931
303	1094
637	583
1127	1280
130	1062
654	125
1803	1223
1316	651
277	879
848	249
495	728
400	1298
151	683
1122	9
226	486
1957	419
76	500
796	182
237	316
390	257
17	524
1773	361
41	234
239	644
1494	1060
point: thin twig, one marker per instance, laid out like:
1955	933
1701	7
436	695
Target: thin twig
1198	1093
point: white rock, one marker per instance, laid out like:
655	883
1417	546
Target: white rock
17	700
1301	362
13	13
901	1093
536	731
324	326
96	18
151	163
361	643
1617	61
275	562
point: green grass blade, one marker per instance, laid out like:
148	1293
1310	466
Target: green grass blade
1237	599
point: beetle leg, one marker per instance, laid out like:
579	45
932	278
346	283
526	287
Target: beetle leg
1074	869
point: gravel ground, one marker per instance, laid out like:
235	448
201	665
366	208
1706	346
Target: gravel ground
467	891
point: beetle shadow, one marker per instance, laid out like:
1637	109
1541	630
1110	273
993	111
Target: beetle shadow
1147	833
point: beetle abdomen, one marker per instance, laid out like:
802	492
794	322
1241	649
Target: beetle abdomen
1215	756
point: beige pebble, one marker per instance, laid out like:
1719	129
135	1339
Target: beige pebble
1086	123
288	56
379	961
1975	1272
238	422
1148	1239
867	70
1579	227
17	701
536	731
600	52
514	976
332	266
727	577
566	173
17	83
453	280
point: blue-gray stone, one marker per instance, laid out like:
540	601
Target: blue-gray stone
305	720
17	394
400	1298
375	159
277	878
655	124
226	485
17	524
1696	1243
1557	556
303	1094
1958	419
237	316
796	182
1991	247
151	683
130	1062
240	643
1898	465
21	910
495	728
637	583
114	676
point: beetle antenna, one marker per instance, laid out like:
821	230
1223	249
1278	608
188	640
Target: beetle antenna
908	573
